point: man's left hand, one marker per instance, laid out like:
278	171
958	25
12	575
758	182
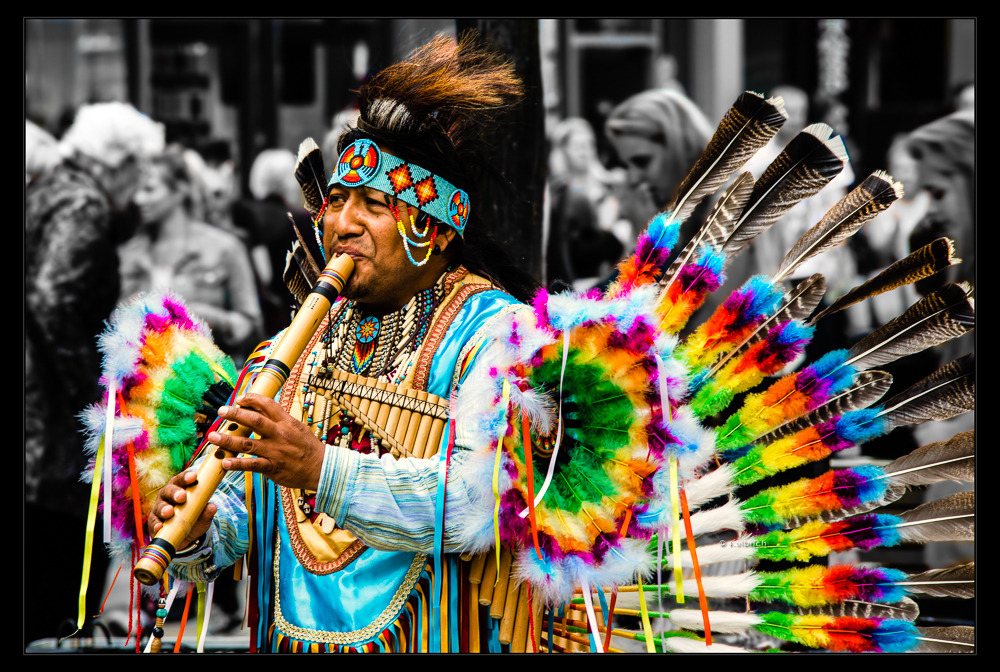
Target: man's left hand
285	450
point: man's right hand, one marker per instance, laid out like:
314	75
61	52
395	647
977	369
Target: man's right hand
172	494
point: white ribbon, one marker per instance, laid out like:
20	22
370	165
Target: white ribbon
555	448
588	601
170	600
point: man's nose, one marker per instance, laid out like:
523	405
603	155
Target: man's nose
348	220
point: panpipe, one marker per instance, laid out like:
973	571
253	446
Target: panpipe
411	423
158	553
519	613
408	422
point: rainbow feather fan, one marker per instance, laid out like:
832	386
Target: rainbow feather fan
602	425
585	373
165	377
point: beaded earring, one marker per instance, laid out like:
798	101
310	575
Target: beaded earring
393	204
317	225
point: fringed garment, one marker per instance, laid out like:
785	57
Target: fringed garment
315	587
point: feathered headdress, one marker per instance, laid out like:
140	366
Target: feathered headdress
439	108
608	437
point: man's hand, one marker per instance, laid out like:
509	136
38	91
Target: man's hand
172	494
286	451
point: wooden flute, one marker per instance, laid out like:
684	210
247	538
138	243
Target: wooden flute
157	555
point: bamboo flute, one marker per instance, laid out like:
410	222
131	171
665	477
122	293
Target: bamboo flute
157	555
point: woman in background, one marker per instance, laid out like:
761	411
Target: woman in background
208	267
586	236
658	135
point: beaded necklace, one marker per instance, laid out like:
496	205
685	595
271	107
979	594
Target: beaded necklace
384	348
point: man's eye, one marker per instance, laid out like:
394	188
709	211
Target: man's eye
640	161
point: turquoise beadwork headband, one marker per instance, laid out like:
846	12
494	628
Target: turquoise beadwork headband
362	163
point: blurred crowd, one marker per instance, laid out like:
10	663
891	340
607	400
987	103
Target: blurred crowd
112	210
598	205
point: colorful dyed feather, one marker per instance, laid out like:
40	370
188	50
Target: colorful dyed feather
634	415
627	427
167	378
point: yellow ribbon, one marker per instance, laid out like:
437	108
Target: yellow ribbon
496	478
88	548
644	611
675	527
212	364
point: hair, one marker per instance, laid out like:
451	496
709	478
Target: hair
440	108
561	134
565	128
41	149
947	147
666	117
113	133
273	172
948	144
176	170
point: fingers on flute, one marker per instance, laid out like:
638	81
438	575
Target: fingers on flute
175	492
171	494
234	444
254	464
250	416
257	402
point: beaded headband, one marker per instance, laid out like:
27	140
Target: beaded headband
363	163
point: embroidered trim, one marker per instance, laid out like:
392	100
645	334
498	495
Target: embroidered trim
441	322
302	552
386	618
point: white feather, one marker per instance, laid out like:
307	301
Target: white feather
724	587
687	645
720	621
716	483
740	549
725	517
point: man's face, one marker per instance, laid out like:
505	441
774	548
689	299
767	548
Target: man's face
360	223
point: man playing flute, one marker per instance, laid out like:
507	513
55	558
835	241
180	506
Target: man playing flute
338	530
